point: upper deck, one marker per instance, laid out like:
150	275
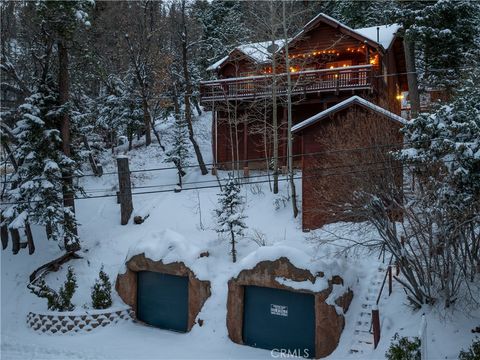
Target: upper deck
250	88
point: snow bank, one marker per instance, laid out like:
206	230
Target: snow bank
168	246
299	259
317	286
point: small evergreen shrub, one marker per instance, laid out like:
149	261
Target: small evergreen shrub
473	353
44	291
61	301
66	292
102	291
404	348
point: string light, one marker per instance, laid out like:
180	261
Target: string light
336	52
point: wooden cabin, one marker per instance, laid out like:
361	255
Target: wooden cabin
329	63
346	151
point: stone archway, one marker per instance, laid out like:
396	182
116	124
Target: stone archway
126	284
328	324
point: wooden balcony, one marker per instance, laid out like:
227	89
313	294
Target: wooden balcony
303	82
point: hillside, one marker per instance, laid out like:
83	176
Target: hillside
179	226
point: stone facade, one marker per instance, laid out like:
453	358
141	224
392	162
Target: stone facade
76	322
328	324
126	284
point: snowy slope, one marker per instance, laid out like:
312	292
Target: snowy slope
175	217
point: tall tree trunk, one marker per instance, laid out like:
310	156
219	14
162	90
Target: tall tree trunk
188	94
146	120
412	80
68	195
234	251
289	117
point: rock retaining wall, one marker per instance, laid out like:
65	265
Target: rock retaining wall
76	322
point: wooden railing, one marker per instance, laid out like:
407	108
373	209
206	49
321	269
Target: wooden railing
303	82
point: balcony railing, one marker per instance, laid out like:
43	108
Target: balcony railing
303	82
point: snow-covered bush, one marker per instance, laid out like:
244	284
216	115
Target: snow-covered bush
102	291
404	348
473	353
61	301
66	292
230	218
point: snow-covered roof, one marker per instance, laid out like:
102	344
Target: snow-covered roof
344	104
386	34
257	52
217	64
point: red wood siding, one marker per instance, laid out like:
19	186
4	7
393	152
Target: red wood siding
330	178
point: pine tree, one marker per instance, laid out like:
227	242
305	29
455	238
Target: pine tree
444	155
102	291
179	153
120	109
37	186
357	14
66	292
446	35
57	301
447	143
223	28
230	218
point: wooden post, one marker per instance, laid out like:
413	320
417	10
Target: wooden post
29	235
125	188
246	172
245	145
390	280
4	233
376	326
96	168
15	240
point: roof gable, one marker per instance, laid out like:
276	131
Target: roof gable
256	52
354	100
387	33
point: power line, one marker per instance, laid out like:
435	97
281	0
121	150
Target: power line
241	184
248	177
392	145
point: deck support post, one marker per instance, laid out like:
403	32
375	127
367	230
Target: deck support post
376	326
245	144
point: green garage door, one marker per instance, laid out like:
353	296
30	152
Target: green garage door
279	319
162	300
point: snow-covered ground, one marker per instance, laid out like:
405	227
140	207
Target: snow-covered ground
182	224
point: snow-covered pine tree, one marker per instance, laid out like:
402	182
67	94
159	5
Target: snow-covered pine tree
446	37
102	291
444	155
230	218
444	149
223	25
120	109
37	187
179	152
57	301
